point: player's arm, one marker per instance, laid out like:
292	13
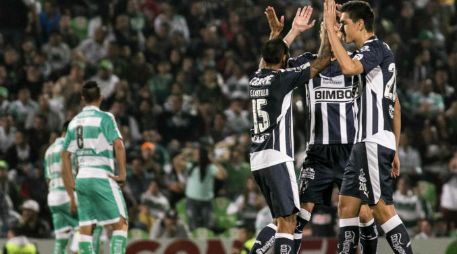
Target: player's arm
396	126
323	56
119	150
67	176
299	24
349	66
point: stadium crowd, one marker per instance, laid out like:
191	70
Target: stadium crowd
175	75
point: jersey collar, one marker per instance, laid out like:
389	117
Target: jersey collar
372	38
91	107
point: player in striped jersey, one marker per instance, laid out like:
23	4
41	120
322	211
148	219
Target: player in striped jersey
368	177
91	137
63	219
271	153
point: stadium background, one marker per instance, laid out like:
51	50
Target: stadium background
175	75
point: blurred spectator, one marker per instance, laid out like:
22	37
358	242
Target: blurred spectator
105	79
175	181
18	243
449	196
57	52
237	118
169	227
21	152
176	22
202	172
155	200
407	204
30	224
425	230
8	188
138	180
49	18
23	106
160	83
7	133
238	172
94	48
246	237
426	102
246	204
409	156
52	118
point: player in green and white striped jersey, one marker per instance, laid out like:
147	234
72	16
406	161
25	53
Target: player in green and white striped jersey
58	201
91	136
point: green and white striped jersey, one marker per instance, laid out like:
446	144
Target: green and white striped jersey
53	173
53	166
90	137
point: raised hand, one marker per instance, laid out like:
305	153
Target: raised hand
330	14
276	25
301	21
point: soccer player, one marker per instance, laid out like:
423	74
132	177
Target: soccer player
330	138
271	153
58	201
368	177
91	136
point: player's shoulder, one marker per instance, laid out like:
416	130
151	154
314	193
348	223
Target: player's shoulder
375	43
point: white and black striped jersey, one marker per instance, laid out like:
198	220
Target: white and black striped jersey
271	98
375	92
329	100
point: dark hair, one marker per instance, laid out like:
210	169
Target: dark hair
360	10
65	126
91	91
274	50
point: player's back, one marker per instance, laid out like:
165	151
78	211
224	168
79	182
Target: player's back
90	137
271	98
375	93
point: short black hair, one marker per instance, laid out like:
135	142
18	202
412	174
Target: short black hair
91	91
360	10
274	50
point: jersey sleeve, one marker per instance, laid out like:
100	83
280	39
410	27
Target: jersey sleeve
69	143
301	59
370	56
290	78
110	129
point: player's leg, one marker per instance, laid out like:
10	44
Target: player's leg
61	242
118	240
112	210
350	202
62	227
85	239
96	234
380	198
368	231
279	187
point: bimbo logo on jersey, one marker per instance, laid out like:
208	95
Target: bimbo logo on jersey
322	94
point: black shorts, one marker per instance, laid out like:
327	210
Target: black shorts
367	175
279	187
323	167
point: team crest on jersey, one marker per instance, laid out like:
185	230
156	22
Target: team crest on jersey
391	111
363	183
258	139
365	48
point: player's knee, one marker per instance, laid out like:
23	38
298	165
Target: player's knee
365	214
121	224
287	224
348	207
383	212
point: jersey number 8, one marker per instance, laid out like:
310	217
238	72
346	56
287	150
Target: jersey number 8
257	112
79	136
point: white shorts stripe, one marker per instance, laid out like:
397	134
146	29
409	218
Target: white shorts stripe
117	197
373	169
293	183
